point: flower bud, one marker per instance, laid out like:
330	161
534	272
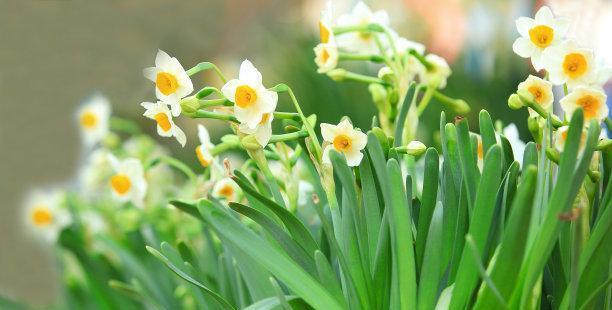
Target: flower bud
415	148
461	107
190	105
525	94
514	102
386	74
337	74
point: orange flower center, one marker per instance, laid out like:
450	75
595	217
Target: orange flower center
166	83
245	96
342	143
163	121
590	104
480	151
324	55
89	120
226	191
574	65
42	216
541	35
538	94
121	184
205	162
324	33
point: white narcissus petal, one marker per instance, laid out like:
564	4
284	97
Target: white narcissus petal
523	24
249	74
328	131
175	107
114	162
523	47
180	135
248	117
345	124
353	158
263	134
150	73
360	140
162	58
203	135
325	156
229	89
544	15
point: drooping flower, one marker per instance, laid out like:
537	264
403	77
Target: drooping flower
326	56
568	63
438	74
560	139
226	189
344	139
539	34
203	150
44	214
541	91
518	146
263	130
326	34
363	42
591	100
128	182
165	125
171	81
93	117
251	99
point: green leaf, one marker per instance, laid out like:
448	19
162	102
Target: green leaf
428	202
431	272
401	117
467	275
271	303
328	276
469	169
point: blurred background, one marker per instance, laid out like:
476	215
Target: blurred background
55	53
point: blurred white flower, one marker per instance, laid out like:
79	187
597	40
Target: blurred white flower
93	222
93	117
539	34
344	139
591	100
226	189
128	182
326	56
363	42
165	125
438	74
263	130
44	215
171	81
518	146
251	98
94	172
203	150
541	91
326	33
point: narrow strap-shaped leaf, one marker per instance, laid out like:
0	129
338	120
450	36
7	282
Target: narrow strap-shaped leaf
480	223
530	156
328	276
487	131
401	117
513	245
468	164
431	272
270	303
428	202
370	200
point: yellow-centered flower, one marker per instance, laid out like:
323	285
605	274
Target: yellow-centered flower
263	130
251	99
326	57
568	63
591	100
326	34
226	189
165	125
438	74
128	182
344	139
171	81
44	215
363	42
541	91
203	150
560	139
93	117
539	34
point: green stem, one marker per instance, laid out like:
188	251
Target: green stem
428	65
214	103
287	115
222	147
565	91
206	91
352	76
458	105
429	93
215	115
289	136
123	125
358	28
174	163
556	122
206	66
372	58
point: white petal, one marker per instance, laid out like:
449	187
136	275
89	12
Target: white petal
114	162
203	135
360	140
249	117
263	134
249	73
326	150
353	158
328	131
345	124
523	24
150	73
162	59
523	47
179	135
229	89
175	107
544	15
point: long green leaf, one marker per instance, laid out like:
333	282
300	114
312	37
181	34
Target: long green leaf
431	271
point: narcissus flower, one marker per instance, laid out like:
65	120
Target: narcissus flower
561	137
251	99
44	215
203	150
518	146
165	125
326	56
263	130
93	117
171	81
438	74
568	63
226	189
403	45
363	42
541	91
591	100
128	182
326	33
538	34
344	139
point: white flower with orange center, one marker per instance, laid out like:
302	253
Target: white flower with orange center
251	99
326	34
44	214
263	131
344	139
438	74
363	42
203	150
541	91
165	125
591	100
128	182
93	117
326	56
539	34
171	81
560	139
570	64
226	189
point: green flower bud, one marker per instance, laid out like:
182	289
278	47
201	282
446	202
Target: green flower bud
525	94
337	74
461	107
386	74
514	102
415	148
190	105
